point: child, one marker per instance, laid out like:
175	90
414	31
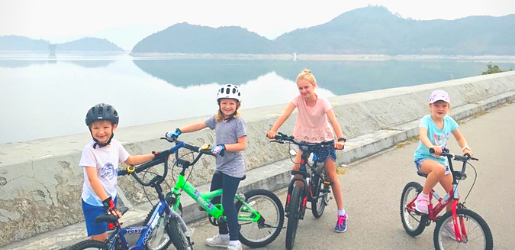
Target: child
100	158
312	126
231	138
434	131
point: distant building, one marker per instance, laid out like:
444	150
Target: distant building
51	48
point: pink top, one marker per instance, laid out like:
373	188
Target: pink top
312	124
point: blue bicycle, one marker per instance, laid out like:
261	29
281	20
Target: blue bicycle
162	226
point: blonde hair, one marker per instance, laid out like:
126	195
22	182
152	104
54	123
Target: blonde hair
307	75
220	117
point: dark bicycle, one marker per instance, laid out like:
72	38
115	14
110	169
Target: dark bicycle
316	181
162	226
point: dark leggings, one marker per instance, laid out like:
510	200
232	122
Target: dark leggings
229	185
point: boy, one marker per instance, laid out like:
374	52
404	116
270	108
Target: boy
100	159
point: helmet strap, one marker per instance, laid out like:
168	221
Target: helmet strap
101	145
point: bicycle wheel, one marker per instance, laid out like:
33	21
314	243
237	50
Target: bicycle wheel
89	244
160	238
413	223
293	216
266	230
179	239
320	195
479	235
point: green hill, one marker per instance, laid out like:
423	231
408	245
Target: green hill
187	38
88	44
22	43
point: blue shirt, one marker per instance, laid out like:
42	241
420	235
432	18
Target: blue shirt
438	137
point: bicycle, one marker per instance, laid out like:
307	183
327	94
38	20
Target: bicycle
162	226
469	228
317	183
260	212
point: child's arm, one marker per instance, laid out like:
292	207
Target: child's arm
287	112
238	146
97	187
422	134
194	127
462	142
139	159
337	129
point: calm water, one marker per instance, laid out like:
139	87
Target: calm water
44	97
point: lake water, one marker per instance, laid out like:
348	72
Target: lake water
44	97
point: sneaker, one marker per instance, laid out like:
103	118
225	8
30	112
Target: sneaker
341	224
218	241
422	204
448	231
234	247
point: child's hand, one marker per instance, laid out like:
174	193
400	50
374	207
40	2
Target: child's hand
339	145
218	149
468	151
110	207
173	134
437	149
271	134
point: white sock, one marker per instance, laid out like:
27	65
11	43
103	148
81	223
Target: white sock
235	243
422	195
341	212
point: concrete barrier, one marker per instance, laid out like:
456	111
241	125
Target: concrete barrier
40	181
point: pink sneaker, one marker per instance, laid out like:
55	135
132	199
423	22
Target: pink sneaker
422	204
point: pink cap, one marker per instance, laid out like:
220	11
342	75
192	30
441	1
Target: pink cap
439	95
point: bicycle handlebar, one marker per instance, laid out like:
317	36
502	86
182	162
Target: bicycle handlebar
446	153
281	138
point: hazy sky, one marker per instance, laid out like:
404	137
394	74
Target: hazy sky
268	18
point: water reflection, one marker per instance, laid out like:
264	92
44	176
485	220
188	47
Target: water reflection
52	96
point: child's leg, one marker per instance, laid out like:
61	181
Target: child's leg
435	172
446	183
99	237
330	168
216	183
96	231
296	166
230	186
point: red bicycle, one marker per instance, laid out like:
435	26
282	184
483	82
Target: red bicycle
458	228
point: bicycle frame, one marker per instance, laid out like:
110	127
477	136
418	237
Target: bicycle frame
204	199
145	231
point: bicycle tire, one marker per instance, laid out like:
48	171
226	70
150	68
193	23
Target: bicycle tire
413	223
320	195
160	239
476	227
293	216
179	240
272	212
89	244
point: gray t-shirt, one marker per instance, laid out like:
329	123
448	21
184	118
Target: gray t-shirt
231	163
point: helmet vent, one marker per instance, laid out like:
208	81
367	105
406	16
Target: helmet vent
227	91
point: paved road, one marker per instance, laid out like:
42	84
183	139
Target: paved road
372	190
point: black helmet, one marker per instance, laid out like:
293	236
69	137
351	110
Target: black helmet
102	111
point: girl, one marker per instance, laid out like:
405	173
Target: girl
434	131
231	138
312	125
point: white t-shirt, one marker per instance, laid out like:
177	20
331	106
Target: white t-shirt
106	161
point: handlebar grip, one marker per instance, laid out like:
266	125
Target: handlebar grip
444	150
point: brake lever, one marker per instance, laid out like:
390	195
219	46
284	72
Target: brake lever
278	141
168	139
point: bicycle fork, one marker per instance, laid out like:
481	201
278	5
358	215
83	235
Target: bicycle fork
304	197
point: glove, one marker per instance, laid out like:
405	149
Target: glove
174	134
109	206
218	149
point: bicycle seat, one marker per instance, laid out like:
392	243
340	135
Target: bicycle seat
421	174
111	218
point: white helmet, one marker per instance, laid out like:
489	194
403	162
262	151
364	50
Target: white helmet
228	91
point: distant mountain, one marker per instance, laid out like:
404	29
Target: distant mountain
187	38
22	43
375	30
369	30
88	44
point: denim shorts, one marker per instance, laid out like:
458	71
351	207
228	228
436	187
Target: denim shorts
418	164
90	213
324	153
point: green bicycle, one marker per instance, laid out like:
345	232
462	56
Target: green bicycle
260	212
